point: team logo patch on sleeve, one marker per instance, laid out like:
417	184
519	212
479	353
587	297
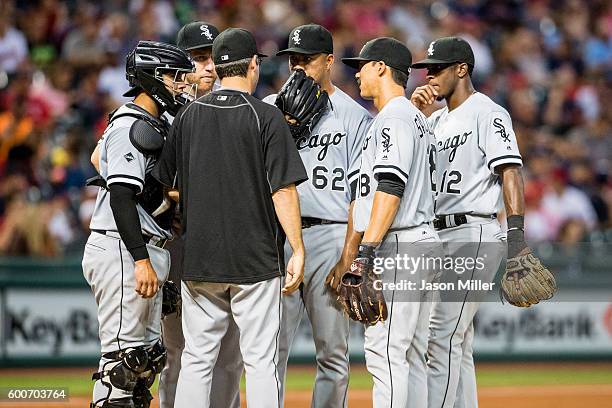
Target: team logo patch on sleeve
386	142
501	130
129	156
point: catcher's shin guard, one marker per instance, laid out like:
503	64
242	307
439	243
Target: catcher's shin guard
120	375
156	362
142	396
157	358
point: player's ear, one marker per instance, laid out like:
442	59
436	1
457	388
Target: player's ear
329	61
381	68
462	70
253	63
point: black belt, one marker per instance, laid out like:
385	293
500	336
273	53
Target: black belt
455	220
148	239
308	222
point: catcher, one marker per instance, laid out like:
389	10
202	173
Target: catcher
477	162
124	261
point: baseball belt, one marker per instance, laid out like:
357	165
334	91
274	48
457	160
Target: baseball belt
455	220
308	222
148	239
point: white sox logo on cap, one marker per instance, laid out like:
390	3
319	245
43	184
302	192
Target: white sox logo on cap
206	31
296	37
430	50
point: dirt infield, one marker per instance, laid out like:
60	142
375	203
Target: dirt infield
552	395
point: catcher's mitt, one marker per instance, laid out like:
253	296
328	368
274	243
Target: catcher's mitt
526	281
361	301
171	299
302	101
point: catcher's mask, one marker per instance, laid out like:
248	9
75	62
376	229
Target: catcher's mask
145	68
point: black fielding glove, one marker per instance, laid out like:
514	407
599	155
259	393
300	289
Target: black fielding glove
303	102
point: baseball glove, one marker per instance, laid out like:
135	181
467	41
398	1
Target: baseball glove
359	298
302	101
526	281
171	299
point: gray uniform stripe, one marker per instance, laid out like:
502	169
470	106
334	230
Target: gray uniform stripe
221	107
280	322
450	345
390	321
121	298
254	112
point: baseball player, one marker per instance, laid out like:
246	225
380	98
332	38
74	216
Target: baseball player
237	168
330	151
393	210
477	161
124	261
196	39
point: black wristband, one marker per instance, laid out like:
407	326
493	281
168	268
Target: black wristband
516	235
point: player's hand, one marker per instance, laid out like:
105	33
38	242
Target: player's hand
335	275
423	96
290	120
146	278
173	195
295	273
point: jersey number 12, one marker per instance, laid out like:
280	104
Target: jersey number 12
454	178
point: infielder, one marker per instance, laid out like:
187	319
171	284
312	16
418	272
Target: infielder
330	149
196	39
393	210
477	163
124	261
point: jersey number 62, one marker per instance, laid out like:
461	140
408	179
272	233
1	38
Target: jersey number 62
321	178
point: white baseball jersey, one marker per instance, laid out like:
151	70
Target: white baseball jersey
121	162
398	142
331	156
471	141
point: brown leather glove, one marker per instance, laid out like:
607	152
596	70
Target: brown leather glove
357	294
526	281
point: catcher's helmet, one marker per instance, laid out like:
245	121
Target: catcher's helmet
145	66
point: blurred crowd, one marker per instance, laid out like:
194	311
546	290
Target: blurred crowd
549	62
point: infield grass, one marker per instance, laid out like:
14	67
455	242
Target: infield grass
302	378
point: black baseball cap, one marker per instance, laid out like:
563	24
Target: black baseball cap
388	50
309	39
447	50
197	34
234	44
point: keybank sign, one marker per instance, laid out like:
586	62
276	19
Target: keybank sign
49	323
